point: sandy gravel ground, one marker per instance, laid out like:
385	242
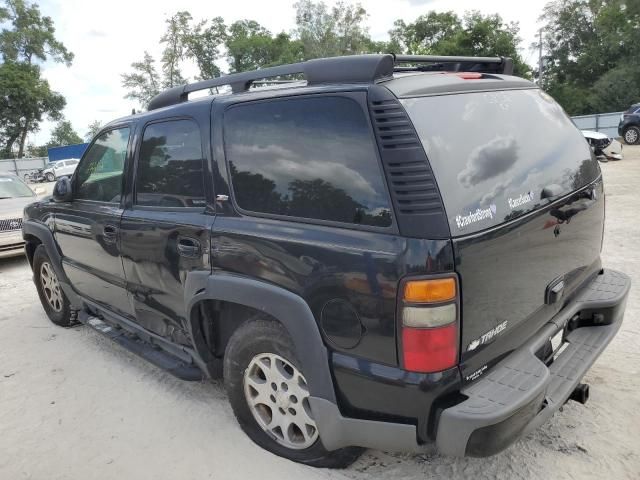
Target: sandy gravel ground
73	405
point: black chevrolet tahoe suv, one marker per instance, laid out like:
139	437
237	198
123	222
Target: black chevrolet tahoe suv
373	251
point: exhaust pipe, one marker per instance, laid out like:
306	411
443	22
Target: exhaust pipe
581	393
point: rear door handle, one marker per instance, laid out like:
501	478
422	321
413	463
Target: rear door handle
188	247
110	233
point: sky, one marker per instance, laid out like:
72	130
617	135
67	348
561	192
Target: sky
107	36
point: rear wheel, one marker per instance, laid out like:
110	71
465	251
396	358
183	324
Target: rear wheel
270	396
632	136
52	297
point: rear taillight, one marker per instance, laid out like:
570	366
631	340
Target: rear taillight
429	324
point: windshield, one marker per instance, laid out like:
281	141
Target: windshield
493	154
12	187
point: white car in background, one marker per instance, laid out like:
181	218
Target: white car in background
603	146
61	168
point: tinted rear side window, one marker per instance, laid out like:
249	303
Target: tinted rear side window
312	158
493	153
170	166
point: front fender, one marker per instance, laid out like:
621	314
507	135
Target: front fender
42	232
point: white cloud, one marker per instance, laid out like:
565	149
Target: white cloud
106	37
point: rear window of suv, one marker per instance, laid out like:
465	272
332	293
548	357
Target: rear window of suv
311	158
494	152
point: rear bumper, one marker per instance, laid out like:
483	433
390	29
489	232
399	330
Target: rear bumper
514	397
521	392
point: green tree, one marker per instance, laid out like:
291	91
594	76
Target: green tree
183	40
175	50
474	34
34	151
329	32
203	43
92	130
591	54
616	90
25	100
64	134
425	34
251	46
26	37
30	36
144	82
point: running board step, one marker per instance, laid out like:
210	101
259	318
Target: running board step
150	353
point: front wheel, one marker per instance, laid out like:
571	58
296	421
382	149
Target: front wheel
50	177
55	303
632	136
270	396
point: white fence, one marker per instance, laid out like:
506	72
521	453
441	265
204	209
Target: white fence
606	123
22	166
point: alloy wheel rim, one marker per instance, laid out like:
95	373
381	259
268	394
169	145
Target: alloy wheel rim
278	397
631	136
51	287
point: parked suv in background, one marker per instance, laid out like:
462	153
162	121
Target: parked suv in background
383	255
629	126
59	169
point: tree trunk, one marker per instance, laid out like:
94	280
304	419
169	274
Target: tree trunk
6	151
23	139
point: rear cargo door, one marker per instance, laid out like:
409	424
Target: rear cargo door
524	200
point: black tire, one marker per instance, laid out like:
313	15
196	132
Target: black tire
632	136
50	177
64	316
258	336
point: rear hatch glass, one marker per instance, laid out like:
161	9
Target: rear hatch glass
525	206
500	154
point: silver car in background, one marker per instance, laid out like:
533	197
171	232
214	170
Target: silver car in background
14	196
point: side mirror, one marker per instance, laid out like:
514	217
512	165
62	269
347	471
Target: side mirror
62	190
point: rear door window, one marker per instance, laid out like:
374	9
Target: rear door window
493	153
170	166
312	158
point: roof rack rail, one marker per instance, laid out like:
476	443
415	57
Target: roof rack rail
436	63
348	69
